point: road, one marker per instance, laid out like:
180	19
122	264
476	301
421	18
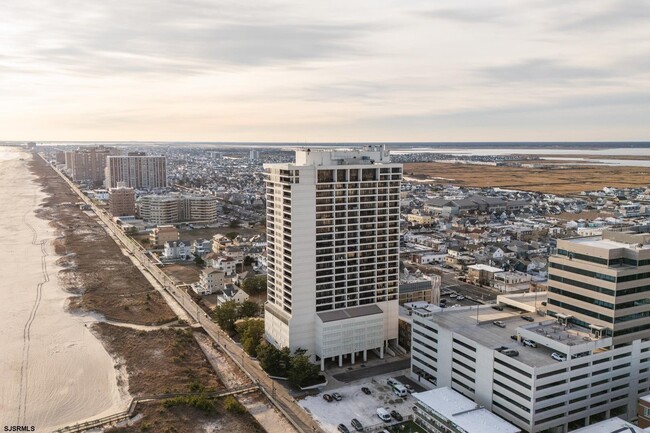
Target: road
278	395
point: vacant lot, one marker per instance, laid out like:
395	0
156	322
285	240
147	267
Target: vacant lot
549	180
183	273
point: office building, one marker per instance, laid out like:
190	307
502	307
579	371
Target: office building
591	338
603	282
137	170
333	252
121	200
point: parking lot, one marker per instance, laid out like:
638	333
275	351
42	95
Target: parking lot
356	404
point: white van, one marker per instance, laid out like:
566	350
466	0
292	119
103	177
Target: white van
392	381
399	390
383	414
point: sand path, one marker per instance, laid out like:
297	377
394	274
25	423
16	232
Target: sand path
53	371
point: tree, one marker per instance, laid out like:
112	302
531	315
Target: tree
248	309
254	285
302	372
232	235
234	224
251	332
248	261
199	260
274	361
226	315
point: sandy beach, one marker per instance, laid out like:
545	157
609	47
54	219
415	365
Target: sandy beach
53	370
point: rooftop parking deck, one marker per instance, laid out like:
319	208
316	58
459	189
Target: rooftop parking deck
544	331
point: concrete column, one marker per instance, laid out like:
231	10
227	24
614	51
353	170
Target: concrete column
365	356
381	352
340	360
352	360
322	364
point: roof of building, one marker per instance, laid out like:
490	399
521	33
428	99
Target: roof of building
463	412
485	268
348	313
612	425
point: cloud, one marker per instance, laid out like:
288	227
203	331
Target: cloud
473	15
187	37
619	16
541	70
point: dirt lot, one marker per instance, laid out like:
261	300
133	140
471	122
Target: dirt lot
549	180
106	280
207	233
187	273
182	419
159	361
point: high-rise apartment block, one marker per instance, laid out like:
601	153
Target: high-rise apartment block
333	252
121	200
579	358
88	164
137	170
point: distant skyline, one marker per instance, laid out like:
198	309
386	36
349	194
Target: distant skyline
336	71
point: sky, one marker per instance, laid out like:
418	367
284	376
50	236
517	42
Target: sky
327	71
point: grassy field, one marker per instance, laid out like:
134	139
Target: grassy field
561	181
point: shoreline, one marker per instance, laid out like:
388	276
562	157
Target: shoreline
54	370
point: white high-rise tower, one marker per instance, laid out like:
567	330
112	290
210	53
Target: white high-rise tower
333	252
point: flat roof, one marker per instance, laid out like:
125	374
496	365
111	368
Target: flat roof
348	313
464	412
612	425
543	330
485	268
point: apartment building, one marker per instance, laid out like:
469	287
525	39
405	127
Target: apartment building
198	208
159	209
136	170
175	208
333	252
88	164
526	385
121	200
163	234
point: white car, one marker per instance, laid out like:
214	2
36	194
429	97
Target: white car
529	343
460	297
558	357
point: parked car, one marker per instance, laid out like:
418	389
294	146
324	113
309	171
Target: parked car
530	343
357	424
514	337
395	414
498	307
328	398
528	318
336	396
343	428
558	356
544	303
453	295
409	388
499	323
366	391
460	297
383	414
510	352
